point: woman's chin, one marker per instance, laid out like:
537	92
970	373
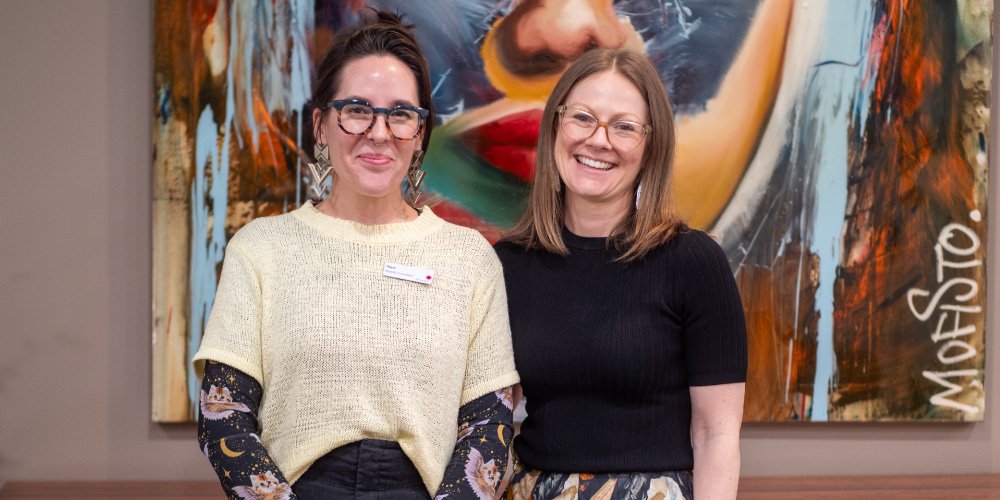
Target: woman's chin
596	196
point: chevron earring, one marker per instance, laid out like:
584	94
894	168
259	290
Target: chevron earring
320	170
414	177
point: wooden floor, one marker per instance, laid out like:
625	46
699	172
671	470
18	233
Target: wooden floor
951	487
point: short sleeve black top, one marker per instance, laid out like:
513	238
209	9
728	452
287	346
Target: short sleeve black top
607	350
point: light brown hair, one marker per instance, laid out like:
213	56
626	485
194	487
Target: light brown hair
641	229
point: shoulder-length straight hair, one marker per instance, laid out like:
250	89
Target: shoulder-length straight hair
642	228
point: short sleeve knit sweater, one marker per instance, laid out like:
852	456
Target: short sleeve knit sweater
607	350
344	353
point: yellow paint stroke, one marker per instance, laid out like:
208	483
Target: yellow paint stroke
514	86
715	146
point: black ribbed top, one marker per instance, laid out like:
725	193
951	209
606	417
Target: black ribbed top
607	350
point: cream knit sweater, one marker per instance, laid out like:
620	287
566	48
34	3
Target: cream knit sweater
344	353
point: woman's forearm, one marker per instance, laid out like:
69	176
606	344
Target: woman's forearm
716	416
227	434
717	468
479	461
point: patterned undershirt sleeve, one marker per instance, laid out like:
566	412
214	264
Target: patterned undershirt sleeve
227	434
485	428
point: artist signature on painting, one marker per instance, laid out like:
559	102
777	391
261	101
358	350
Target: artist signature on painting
962	308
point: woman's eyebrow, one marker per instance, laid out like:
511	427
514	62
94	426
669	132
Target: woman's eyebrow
393	104
403	102
356	98
619	116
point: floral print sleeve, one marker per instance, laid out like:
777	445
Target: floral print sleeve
485	428
227	434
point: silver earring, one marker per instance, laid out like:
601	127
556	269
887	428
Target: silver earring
638	192
320	170
414	177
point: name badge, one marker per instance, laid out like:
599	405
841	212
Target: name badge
408	273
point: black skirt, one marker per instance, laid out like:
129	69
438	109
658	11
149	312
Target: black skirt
370	469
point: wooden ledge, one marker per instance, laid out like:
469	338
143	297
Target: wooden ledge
923	487
138	490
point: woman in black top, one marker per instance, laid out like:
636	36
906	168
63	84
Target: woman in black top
628	328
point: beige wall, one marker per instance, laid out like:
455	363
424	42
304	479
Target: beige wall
75	142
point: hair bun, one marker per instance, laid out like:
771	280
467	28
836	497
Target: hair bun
386	16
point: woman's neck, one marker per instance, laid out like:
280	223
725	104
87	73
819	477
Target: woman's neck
593	219
367	210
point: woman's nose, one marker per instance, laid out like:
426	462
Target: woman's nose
380	130
599	138
568	27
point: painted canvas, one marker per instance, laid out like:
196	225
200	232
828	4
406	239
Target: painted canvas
836	149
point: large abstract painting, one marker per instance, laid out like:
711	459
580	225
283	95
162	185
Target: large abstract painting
836	149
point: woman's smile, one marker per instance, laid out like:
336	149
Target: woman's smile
593	162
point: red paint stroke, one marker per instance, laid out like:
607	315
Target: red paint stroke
170	316
458	215
508	143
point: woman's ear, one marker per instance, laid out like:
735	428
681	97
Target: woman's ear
319	128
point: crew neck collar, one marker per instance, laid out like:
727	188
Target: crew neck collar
378	234
583	242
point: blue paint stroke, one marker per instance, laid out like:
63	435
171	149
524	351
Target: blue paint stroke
833	89
208	236
165	110
301	22
209	198
260	30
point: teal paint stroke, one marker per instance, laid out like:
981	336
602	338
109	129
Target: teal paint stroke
464	178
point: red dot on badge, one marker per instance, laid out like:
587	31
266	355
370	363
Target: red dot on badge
428	277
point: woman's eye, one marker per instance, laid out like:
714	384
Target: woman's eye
626	127
584	118
401	114
358	110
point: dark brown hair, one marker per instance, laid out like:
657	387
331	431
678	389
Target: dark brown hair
379	33
642	228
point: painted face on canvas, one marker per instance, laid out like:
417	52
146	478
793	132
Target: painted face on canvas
592	168
372	164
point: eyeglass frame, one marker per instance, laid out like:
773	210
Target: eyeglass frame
339	104
646	128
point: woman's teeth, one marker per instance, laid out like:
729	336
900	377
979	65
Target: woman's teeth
592	163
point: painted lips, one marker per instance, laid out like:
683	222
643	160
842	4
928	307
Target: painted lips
508	143
374	159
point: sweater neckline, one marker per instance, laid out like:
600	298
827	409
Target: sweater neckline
583	242
379	234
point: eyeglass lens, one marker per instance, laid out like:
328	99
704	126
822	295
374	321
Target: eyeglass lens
403	123
623	135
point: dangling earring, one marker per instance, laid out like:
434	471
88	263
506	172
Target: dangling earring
414	177
638	191
320	170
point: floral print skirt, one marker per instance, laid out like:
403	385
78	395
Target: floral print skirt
530	484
